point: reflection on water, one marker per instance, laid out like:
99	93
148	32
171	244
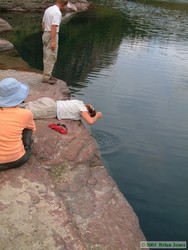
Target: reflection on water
130	61
84	44
167	4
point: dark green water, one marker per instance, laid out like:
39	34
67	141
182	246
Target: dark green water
130	60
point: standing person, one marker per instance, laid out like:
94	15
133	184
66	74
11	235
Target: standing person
50	25
16	124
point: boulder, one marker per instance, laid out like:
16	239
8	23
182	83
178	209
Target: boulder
5	45
4	25
63	197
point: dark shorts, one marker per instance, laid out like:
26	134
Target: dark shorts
15	164
28	142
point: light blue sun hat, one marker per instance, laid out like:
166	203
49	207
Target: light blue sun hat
12	92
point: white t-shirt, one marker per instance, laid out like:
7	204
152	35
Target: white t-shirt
52	16
70	109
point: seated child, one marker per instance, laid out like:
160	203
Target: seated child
16	124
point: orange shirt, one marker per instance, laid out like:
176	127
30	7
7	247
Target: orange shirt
12	122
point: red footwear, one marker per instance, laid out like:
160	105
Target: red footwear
62	129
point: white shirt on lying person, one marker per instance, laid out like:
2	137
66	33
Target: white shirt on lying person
46	107
70	109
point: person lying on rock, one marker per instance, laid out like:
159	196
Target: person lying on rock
16	124
46	107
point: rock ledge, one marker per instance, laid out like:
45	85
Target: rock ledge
63	198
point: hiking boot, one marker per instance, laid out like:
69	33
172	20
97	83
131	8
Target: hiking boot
53	78
50	81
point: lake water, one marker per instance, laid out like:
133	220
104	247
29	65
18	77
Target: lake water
130	60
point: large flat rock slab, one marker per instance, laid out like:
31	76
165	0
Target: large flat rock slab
63	197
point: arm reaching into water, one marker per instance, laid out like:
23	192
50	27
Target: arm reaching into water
91	120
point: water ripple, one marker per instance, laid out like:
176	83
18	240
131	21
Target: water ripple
108	143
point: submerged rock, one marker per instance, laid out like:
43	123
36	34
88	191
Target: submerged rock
63	197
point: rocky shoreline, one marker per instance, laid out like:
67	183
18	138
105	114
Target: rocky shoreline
63	197
34	5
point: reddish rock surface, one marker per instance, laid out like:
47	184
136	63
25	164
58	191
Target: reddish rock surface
63	197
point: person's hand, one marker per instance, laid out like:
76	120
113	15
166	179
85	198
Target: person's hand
99	115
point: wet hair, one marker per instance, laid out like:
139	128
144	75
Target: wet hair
91	111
